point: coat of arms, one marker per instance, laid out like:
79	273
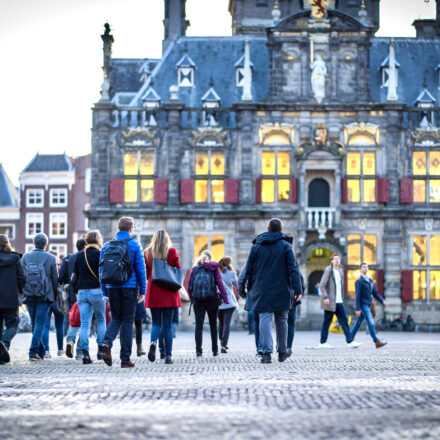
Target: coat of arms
319	8
320	135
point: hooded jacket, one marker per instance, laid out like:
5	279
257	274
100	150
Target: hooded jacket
271	275
12	280
214	267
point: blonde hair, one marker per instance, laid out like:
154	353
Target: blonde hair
160	244
204	257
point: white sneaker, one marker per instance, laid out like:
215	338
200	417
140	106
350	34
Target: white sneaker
354	344
60	352
326	345
47	355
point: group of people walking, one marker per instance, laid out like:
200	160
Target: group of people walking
114	283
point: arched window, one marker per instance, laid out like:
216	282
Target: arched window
319	193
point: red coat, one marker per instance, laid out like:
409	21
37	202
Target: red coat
158	296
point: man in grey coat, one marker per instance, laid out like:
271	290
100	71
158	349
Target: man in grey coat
40	269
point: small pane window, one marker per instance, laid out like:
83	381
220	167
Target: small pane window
58	225
217	191
147	190
200	244
147	164
202	165
58	197
419	191
419	250
130	191
434	163
434	285
352	276
419	284
268	163
353	164
217	247
353	190
131	164
34	224
370	248
434	191
217	163
434	250
283	190
369	164
419	163
369	190
283	163
268	190
35	197
354	249
201	191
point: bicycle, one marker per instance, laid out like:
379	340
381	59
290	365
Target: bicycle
386	324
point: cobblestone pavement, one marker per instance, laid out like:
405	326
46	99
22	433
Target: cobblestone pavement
391	393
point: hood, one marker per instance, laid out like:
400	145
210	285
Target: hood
8	259
212	265
272	237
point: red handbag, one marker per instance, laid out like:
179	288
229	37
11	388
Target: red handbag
74	316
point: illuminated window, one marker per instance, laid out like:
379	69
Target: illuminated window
209	163
434	285
214	243
369	164
361	248
146	164
283	190
369	190
434	250
202	164
354	190
419	191
268	163
130	190
353	164
283	163
217	191
419	250
140	164
370	249
217	163
268	190
361	164
201	191
419	163
58	225
353	275
434	191
354	249
275	163
147	190
434	163
419	284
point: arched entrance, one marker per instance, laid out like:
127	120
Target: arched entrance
319	193
312	280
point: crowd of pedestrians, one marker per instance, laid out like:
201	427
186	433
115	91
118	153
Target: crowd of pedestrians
109	286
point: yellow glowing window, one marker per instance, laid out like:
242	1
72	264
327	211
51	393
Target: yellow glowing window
419	163
419	250
434	250
419	284
217	247
275	138
370	249
283	190
217	191
130	191
147	190
434	163
353	190
268	190
352	276
434	285
202	164
434	191
354	249
369	164
217	163
283	163
131	164
353	164
200	244
201	191
147	164
419	191
369	190
268	163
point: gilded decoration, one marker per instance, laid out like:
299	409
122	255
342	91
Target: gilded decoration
209	136
276	134
357	133
140	137
320	143
426	137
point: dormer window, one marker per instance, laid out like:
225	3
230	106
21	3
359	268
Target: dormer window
384	67
425	102
185	72
150	101
211	104
240	72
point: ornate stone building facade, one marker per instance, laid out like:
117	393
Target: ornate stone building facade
302	114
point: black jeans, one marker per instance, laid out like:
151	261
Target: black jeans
291	319
138	328
224	328
9	318
341	314
209	306
123	302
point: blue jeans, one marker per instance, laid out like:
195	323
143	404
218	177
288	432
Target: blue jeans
38	311
281	331
91	300
163	318
365	314
174	325
71	337
123	302
59	323
291	320
256	324
341	314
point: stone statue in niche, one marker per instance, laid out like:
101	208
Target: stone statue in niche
319	72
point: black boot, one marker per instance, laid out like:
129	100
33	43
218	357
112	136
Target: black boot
86	357
152	352
266	359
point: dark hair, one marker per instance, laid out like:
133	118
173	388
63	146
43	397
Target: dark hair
92	237
363	264
335	255
80	244
225	263
54	252
275	225
5	245
41	240
125	223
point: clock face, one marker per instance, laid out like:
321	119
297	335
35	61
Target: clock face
319	8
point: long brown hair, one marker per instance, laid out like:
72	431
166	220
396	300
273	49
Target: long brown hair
93	238
226	263
160	244
5	245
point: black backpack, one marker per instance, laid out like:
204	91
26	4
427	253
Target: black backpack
203	284
115	263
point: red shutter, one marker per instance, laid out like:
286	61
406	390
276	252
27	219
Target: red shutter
406	190
345	282
344	190
186	190
294	190
381	282
258	190
383	190
232	187
406	286
116	190
161	191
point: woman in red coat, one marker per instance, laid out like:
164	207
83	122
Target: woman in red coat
160	301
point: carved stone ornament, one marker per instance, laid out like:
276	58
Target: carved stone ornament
209	137
361	128
429	223
266	131
428	137
140	137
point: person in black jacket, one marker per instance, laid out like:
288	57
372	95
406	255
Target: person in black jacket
272	280
11	285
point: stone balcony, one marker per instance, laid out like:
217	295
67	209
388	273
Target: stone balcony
320	219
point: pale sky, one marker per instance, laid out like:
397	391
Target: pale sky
51	58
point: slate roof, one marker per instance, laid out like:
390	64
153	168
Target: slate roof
49	162
8	193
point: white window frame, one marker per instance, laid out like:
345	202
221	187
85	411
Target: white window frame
57	191
57	247
31	215
88	180
53	217
28	247
185	82
28	196
9	225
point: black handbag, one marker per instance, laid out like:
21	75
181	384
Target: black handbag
166	276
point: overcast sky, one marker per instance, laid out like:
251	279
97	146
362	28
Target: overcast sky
51	58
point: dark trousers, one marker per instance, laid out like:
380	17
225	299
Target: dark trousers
224	328
138	330
38	311
59	327
123	302
210	307
8	318
341	314
291	320
256	320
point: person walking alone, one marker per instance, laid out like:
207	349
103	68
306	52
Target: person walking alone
272	280
365	290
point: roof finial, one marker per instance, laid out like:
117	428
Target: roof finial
247	73
276	13
363	11
392	74
211	81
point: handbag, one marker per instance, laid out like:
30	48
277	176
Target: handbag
74	316
166	276
62	299
184	297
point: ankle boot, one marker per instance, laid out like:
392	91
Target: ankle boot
86	357
380	344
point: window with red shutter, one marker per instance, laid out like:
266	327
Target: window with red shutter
406	190
232	188
116	190
186	190
294	190
406	286
161	190
258	190
344	190
383	190
381	282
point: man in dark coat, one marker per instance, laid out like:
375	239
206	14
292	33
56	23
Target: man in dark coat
272	280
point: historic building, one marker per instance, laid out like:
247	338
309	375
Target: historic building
9	207
301	114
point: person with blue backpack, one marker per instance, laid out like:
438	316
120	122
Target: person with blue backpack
123	280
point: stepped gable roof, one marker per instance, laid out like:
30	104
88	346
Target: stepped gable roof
418	61
49	162
8	193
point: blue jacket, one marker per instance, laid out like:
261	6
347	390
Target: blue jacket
364	291
138	279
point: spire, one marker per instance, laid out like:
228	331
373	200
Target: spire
107	39
276	13
392	74
247	80
363	12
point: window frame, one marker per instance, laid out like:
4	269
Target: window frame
28	216
51	196
34	205
209	177
427	177
52	216
362	177
209	234
12	226
180	83
56	247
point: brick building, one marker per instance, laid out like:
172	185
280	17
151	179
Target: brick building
301	114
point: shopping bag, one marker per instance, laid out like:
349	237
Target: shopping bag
336	327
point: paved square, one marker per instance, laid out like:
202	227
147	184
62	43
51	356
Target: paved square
391	393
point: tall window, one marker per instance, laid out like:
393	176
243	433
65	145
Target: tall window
215	243
426	176
426	262
58	197
138	176
361	172
209	169
34	224
276	172
60	248
35	198
58	225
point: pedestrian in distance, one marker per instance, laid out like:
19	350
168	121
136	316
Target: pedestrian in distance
271	280
40	270
291	318
204	280
123	280
331	287
230	280
12	281
160	300
365	291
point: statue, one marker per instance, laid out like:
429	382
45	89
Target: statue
319	72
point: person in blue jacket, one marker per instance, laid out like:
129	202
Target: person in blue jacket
124	297
365	290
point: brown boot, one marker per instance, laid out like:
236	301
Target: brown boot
380	344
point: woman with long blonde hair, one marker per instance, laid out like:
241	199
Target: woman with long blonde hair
161	302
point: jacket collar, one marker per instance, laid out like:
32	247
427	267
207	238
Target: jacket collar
121	235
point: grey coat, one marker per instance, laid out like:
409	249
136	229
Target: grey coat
327	286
